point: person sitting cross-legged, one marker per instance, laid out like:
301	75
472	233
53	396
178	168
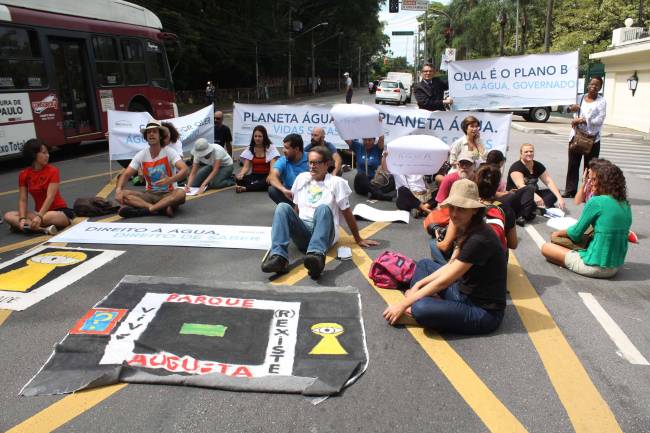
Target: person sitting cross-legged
313	225
162	167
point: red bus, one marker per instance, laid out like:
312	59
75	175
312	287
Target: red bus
65	63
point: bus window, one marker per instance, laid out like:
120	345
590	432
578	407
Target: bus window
133	56
21	66
156	64
108	65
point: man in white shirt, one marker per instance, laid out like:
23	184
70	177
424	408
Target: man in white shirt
162	167
348	88
320	198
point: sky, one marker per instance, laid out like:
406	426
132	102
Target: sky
404	20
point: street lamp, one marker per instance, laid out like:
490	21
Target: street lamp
289	81
632	82
313	59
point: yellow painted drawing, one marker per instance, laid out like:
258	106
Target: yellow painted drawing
37	268
329	344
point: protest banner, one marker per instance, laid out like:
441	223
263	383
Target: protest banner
125	138
354	121
535	80
280	120
172	235
371	214
416	154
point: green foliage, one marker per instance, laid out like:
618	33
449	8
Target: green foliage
217	39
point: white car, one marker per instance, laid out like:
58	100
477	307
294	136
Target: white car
390	91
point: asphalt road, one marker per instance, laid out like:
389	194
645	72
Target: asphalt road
551	367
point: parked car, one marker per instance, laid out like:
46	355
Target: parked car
390	91
407	80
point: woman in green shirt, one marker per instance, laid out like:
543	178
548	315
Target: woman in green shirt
608	211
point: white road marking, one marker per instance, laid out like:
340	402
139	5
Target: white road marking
626	349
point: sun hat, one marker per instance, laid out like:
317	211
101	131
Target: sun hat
156	124
201	148
463	193
466	156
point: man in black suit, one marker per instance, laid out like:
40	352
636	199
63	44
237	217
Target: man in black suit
430	92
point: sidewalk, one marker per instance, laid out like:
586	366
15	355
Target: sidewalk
560	125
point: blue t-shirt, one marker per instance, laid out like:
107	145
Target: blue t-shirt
329	146
374	157
290	170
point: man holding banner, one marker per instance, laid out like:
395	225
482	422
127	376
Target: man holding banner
162	167
430	92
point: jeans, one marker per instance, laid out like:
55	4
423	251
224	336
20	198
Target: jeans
453	311
220	180
310	237
573	167
278	196
437	255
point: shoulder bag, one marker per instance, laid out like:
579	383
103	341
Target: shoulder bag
581	142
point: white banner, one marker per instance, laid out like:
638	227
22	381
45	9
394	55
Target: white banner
125	138
356	121
173	235
29	278
371	214
416	154
535	80
280	120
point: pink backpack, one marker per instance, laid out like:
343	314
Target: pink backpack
392	270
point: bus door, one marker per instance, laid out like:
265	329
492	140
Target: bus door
71	69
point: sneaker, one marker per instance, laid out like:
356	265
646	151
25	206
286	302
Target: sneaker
133	212
315	263
521	221
276	264
51	230
569	194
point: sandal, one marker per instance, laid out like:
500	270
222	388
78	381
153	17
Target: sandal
239	189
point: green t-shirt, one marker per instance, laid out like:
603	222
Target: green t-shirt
611	220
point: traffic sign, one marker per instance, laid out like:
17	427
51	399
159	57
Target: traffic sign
403	33
415	5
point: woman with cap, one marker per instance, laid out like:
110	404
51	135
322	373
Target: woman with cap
212	167
467	295
258	162
40	180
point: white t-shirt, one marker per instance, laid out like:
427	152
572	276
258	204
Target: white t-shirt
217	153
332	191
177	146
271	153
414	182
164	165
348	82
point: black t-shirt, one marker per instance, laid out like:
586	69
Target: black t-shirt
485	282
222	135
529	178
511	217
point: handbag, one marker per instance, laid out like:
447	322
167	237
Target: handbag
581	142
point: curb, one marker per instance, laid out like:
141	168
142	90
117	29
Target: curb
640	136
518	127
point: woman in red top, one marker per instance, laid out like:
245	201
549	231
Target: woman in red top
41	180
258	160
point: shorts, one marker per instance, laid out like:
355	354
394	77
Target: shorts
574	263
67	211
153	197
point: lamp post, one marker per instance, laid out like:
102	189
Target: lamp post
313	59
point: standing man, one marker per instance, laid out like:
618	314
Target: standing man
222	134
348	88
318	139
209	92
430	92
313	223
286	169
162	167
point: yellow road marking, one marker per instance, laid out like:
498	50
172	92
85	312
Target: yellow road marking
493	413
587	410
4	315
76	179
66	409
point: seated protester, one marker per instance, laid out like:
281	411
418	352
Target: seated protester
173	138
286	169
40	180
413	195
161	167
258	161
585	192
471	287
318	139
368	158
212	167
470	143
222	134
526	171
313	223
608	211
465	171
520	200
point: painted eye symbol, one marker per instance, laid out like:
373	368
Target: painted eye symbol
328	330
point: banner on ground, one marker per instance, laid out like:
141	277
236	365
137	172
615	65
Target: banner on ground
43	271
234	336
125	138
371	214
281	120
535	80
172	235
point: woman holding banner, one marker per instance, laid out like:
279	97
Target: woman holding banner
258	161
471	143
466	295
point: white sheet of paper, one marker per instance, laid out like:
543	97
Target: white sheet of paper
193	191
356	121
562	223
372	214
416	154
